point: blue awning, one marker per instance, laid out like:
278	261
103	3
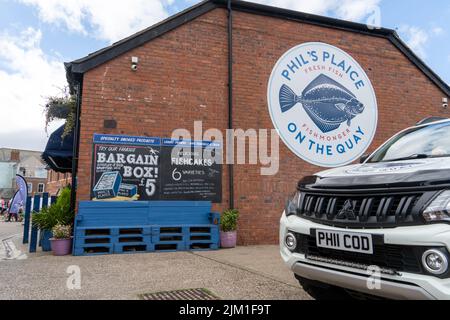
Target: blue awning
58	153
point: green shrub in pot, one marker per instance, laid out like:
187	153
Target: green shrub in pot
57	213
228	234
229	220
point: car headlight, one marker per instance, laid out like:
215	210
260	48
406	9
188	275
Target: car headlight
290	241
292	204
439	208
435	261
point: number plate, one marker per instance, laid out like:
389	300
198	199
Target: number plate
345	241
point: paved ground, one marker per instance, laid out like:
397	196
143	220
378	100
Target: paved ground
8	229
241	273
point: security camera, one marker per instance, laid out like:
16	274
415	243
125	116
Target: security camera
134	63
445	103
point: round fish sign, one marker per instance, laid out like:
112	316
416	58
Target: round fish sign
323	104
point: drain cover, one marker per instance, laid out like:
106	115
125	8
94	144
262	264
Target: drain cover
190	294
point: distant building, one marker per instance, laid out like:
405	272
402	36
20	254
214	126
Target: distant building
57	181
26	163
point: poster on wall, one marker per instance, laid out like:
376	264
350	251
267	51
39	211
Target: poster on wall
323	104
189	170
128	168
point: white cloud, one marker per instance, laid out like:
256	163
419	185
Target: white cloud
114	20
355	10
102	19
438	31
27	76
417	38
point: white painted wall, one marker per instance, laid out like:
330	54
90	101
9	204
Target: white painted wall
7	174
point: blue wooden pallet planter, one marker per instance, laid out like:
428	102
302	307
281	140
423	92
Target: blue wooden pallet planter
81	241
202	246
169	246
93	249
132	247
131	227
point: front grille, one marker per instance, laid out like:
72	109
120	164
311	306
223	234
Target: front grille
395	257
360	211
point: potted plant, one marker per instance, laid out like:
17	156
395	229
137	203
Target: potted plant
62	240
228	222
44	221
49	217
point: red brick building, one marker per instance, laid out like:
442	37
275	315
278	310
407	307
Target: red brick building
183	74
57	181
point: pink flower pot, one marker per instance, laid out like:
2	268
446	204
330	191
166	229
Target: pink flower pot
61	247
228	239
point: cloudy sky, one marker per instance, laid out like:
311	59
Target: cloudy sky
37	36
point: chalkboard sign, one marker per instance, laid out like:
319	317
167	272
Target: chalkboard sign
127	168
190	172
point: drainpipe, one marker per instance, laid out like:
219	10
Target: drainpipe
76	146
230	148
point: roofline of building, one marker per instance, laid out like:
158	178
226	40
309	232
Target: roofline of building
76	68
20	150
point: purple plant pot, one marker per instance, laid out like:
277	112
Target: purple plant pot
61	247
228	239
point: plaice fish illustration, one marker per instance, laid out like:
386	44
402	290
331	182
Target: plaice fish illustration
327	103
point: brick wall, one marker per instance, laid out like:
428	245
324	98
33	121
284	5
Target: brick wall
35	182
57	181
182	77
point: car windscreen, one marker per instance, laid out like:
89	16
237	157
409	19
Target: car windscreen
431	141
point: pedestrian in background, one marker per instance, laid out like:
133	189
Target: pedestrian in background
2	206
13	214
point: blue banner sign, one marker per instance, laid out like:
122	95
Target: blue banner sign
20	198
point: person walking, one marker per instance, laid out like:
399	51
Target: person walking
2	206
11	214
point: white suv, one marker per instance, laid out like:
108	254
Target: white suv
377	229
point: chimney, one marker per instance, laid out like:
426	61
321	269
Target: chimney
15	156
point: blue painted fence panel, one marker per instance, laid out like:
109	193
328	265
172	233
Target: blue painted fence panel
26	222
34	230
35	204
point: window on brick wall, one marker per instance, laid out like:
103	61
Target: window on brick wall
41	188
30	187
